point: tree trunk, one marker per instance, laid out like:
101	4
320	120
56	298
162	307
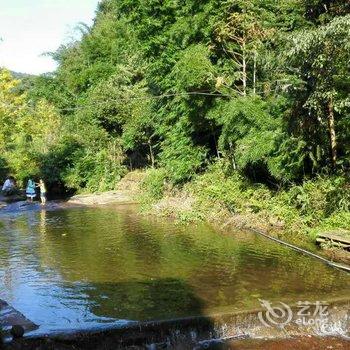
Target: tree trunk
332	135
254	73
244	69
216	146
151	153
234	165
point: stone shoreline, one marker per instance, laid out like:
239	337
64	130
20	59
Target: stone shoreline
111	197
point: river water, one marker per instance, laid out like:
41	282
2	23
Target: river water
80	268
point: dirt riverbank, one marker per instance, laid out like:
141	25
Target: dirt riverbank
126	192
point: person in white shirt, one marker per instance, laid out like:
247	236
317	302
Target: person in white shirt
8	186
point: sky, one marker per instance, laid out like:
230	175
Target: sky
29	28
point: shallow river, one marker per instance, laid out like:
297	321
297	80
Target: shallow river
81	268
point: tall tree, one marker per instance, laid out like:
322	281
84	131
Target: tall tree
321	57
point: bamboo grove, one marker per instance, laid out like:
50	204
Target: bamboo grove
260	85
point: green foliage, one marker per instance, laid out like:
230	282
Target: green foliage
180	157
251	134
194	69
60	158
318	200
316	205
261	85
38	142
3	169
26	133
320	58
154	184
230	191
96	170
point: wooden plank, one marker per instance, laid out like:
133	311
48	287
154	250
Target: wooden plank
321	240
335	237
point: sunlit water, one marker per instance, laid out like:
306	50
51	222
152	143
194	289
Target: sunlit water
83	268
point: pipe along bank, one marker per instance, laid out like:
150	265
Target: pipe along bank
303	251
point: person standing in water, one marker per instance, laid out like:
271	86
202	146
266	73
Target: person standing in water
30	190
42	187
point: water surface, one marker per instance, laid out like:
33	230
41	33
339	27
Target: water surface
86	267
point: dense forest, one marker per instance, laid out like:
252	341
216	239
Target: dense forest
257	88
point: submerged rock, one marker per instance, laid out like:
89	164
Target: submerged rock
13	322
17	331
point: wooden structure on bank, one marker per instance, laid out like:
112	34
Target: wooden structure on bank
334	239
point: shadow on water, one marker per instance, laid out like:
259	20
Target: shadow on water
139	300
146	302
155	299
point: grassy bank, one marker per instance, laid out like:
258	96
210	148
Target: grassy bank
299	211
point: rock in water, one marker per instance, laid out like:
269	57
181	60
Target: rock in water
11	320
17	331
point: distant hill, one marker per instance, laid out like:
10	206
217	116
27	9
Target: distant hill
26	80
21	76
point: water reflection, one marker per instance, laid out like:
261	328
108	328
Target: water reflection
78	268
43	222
